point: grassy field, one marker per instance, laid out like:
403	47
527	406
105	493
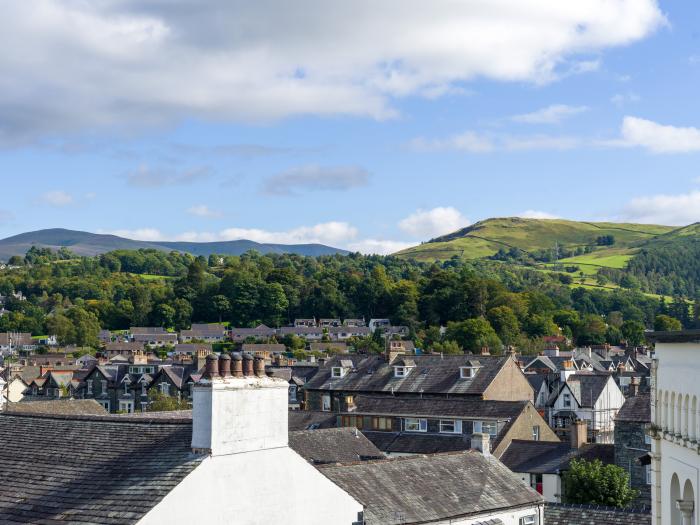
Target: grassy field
485	238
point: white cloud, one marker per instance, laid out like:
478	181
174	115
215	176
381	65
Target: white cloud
57	198
151	177
473	142
550	115
433	223
659	138
137	63
376	246
620	99
678	210
316	178
140	234
540	142
537	214
468	141
202	210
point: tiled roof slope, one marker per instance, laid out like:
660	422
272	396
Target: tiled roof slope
304	419
58	470
561	514
420	489
636	408
432	374
418	443
333	445
58	406
478	408
549	457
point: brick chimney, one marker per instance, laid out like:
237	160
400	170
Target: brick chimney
394	349
578	433
634	386
485	350
482	443
241	412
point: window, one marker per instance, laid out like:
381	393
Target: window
647	474
292	393
536	482
144	406
536	433
349	401
467	372
143	389
415	425
489	427
528	520
103	386
126	406
567	400
165	388
326	403
399	371
647	439
126	387
543	398
381	423
352	421
337	371
448	426
89	386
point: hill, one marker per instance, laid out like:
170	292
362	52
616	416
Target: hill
85	243
485	238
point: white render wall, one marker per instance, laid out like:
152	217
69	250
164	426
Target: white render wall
264	487
551	486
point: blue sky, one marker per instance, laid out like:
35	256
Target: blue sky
372	126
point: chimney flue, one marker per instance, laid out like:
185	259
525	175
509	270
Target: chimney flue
259	366
247	365
237	365
225	365
579	433
212	367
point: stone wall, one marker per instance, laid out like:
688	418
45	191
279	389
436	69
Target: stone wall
629	436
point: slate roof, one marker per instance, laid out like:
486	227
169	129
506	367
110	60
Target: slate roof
562	514
586	387
432	374
420	489
310	419
58	406
636	409
57	470
436	407
333	445
418	443
550	457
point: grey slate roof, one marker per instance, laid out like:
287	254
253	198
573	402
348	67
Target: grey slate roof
419	489
58	406
586	387
310	419
435	407
550	457
561	514
333	445
432	374
418	443
57	470
636	408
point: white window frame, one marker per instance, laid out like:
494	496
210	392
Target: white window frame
326	403
566	400
486	427
293	393
450	426
535	432
414	424
337	371
528	520
467	372
165	388
143	389
647	474
126	406
89	386
103	386
400	371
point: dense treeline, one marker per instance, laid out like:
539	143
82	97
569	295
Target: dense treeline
480	302
671	268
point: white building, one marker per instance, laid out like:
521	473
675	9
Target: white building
675	415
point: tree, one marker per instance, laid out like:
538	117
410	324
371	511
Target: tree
593	483
666	323
221	305
447	348
592	330
474	334
160	402
633	331
505	323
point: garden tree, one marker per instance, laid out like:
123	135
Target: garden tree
539	325
447	348
160	402
366	345
164	315
293	342
430	336
633	332
273	303
593	483
567	319
505	323
62	327
183	313
666	323
87	326
473	334
591	330
221	306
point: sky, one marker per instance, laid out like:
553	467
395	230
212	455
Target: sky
368	125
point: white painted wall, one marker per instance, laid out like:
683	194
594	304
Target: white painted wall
264	487
15	390
551	486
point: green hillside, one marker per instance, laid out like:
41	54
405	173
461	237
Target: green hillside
485	238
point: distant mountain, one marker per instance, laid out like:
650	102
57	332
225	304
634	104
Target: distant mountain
85	243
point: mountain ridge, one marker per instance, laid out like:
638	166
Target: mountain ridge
90	244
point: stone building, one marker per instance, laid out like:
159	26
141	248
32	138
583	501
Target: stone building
633	444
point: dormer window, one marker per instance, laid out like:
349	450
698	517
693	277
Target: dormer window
403	368
467	372
400	371
338	371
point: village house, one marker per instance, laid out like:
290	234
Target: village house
204	333
343	377
591	397
265	350
542	464
125	348
13	342
402	425
260	332
633	444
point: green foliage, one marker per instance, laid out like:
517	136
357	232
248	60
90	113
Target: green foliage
447	347
665	323
473	334
159	402
592	482
633	332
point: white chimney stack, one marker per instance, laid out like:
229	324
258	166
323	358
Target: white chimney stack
482	443
243	412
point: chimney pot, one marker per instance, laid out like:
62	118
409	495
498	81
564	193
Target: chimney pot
237	365
482	443
225	365
247	365
212	367
259	366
